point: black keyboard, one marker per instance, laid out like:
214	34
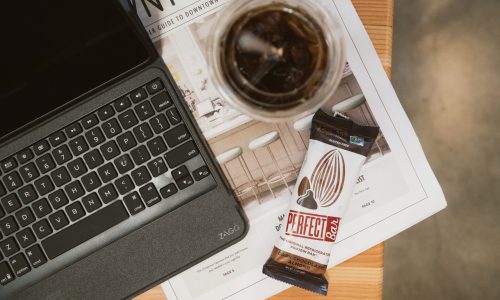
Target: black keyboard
113	165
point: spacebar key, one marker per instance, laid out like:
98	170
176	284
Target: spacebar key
85	229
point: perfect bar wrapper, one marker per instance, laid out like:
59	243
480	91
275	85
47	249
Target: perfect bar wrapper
337	149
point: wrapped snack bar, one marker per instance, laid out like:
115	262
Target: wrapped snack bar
337	150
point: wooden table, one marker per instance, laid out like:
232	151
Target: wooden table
361	277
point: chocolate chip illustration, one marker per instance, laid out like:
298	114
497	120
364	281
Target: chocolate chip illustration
307	200
303	186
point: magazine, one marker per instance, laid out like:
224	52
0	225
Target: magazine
396	189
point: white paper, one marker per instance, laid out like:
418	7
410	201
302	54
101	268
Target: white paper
397	187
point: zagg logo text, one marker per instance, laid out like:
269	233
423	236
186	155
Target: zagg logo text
228	232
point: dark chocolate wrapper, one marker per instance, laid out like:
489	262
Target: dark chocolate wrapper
312	282
337	132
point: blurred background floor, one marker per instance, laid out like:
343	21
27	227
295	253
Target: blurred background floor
446	70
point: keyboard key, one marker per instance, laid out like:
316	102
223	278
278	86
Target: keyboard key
95	137
181	154
91	181
9	247
110	150
122	104
161	101
84	230
27	194
62	155
180	172
176	136
41	147
29	172
73	130
41	208
78	146
2	213
138	95
108	193
90	121
35	256
42	229
141	176
173	116
44	186
58	220
150	195
157	146
57	138
106	112
134	203
185	182
45	163
159	124
58	199
20	264
128	119
9	164
124	185
144	110
75	211
143	132
6	274
25	217
154	86
24	156
93	159
25	237
124	164
140	155
168	191
126	141
11	203
107	172
60	176
74	190
12	181
8	226
111	128
2	190
157	167
91	202
77	168
201	173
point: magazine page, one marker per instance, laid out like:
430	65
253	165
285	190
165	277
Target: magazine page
395	190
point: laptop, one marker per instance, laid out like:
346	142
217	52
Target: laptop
107	186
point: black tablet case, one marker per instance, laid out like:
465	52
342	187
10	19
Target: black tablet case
153	253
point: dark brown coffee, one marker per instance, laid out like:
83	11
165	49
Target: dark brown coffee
275	56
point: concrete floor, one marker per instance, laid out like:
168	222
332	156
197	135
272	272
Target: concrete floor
446	70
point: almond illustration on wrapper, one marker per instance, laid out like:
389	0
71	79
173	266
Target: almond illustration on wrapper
303	186
328	178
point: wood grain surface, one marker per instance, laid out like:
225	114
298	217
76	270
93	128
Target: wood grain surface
361	277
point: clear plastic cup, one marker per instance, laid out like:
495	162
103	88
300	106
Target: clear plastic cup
276	60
